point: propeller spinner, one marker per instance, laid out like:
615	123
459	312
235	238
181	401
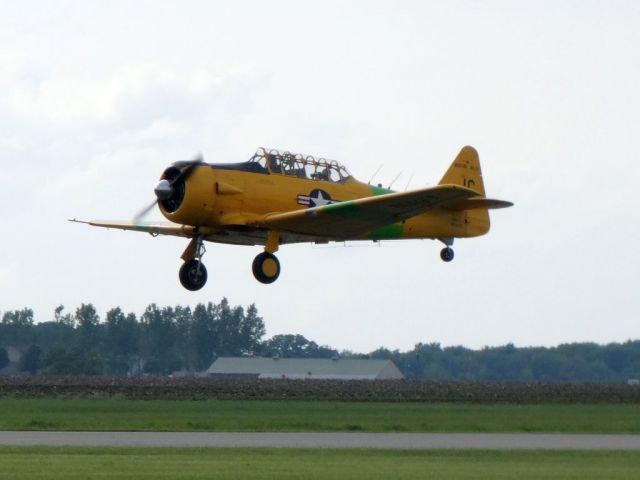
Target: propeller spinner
170	189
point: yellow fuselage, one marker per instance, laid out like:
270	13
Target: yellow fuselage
221	199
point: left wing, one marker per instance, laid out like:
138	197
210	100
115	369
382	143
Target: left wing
357	217
151	228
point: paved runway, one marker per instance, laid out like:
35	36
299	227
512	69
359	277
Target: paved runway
491	441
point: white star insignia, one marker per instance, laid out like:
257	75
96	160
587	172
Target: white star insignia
319	201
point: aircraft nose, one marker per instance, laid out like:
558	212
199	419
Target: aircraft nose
163	190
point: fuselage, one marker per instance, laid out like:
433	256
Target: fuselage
229	202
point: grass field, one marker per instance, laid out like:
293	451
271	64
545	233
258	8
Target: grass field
103	414
19	463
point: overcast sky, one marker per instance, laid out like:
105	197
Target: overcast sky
97	98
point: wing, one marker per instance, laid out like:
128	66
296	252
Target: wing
356	217
151	228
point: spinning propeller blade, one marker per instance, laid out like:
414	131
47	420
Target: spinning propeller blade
144	212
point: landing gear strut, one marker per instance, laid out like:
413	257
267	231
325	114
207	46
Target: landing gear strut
193	274
266	267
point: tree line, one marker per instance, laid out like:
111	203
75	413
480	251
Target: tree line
164	340
585	362
161	341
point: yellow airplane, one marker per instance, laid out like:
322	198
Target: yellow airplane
277	197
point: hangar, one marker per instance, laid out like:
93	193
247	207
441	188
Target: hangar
304	368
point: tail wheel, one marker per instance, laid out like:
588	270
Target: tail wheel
266	268
446	254
193	275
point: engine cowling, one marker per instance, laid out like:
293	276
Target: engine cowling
186	193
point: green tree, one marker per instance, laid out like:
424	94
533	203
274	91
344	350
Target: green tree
425	361
252	329
16	328
63	318
63	361
87	324
233	334
381	353
4	358
89	363
202	337
505	363
295	346
59	361
616	357
121	341
227	328
30	361
462	364
51	334
158	339
183	320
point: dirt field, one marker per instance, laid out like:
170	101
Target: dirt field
375	391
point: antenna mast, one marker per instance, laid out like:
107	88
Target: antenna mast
374	174
407	185
394	180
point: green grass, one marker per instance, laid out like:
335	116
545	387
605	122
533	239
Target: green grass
102	414
18	463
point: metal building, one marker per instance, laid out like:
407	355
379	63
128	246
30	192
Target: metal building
304	368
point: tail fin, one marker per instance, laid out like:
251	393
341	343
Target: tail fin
472	214
465	171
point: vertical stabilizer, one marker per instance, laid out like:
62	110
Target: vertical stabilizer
465	171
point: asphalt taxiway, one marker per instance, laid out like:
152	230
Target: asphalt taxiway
484	441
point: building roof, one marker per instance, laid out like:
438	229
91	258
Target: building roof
295	368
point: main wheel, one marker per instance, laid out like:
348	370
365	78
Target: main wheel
193	275
446	254
266	267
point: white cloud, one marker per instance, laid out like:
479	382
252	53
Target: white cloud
147	91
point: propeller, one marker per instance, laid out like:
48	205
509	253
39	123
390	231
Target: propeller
164	189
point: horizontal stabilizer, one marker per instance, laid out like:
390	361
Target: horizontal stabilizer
480	204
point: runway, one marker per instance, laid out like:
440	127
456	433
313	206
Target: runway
426	441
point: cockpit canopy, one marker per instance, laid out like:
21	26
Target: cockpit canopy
300	166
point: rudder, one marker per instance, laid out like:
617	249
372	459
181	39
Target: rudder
465	170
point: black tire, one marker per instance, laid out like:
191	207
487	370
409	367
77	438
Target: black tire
446	254
266	268
191	277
